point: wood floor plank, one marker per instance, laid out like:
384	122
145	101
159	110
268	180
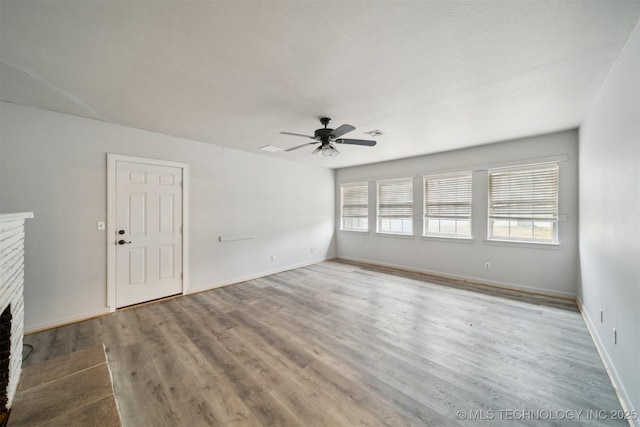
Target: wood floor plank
49	344
251	391
351	347
207	383
343	344
282	378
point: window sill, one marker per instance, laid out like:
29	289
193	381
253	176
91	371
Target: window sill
401	236
523	244
448	239
356	232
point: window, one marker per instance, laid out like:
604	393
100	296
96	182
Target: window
447	205
523	203
354	211
395	206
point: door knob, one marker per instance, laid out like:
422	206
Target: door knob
122	242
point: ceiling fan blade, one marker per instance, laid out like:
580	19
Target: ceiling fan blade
297	134
337	133
365	142
300	146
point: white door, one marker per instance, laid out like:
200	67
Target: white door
148	232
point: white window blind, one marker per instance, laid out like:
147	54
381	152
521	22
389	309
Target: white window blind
395	206
447	205
355	206
523	203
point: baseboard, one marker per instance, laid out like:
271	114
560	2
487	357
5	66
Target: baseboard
623	397
258	275
43	326
468	279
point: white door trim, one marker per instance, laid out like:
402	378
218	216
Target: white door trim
112	160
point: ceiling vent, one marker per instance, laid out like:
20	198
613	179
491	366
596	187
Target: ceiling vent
376	132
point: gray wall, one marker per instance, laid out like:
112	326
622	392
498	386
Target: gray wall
610	219
55	165
541	268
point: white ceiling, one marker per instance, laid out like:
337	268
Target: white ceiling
432	75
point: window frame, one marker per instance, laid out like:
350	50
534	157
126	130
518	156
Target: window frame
468	206
366	207
404	219
544	215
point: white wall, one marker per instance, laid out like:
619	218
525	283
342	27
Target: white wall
540	268
610	218
55	165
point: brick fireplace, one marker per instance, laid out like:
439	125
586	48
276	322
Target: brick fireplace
5	357
11	306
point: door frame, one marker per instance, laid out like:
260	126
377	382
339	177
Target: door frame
112	185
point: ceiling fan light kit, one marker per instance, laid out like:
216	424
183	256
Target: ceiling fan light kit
326	137
326	151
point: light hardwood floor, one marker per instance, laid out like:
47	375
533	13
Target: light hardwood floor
340	344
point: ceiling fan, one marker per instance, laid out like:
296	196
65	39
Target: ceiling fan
327	137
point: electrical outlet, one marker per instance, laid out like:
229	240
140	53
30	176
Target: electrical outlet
273	258
601	316
102	226
487	266
311	250
615	336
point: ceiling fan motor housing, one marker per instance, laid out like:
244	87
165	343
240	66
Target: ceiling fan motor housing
324	134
